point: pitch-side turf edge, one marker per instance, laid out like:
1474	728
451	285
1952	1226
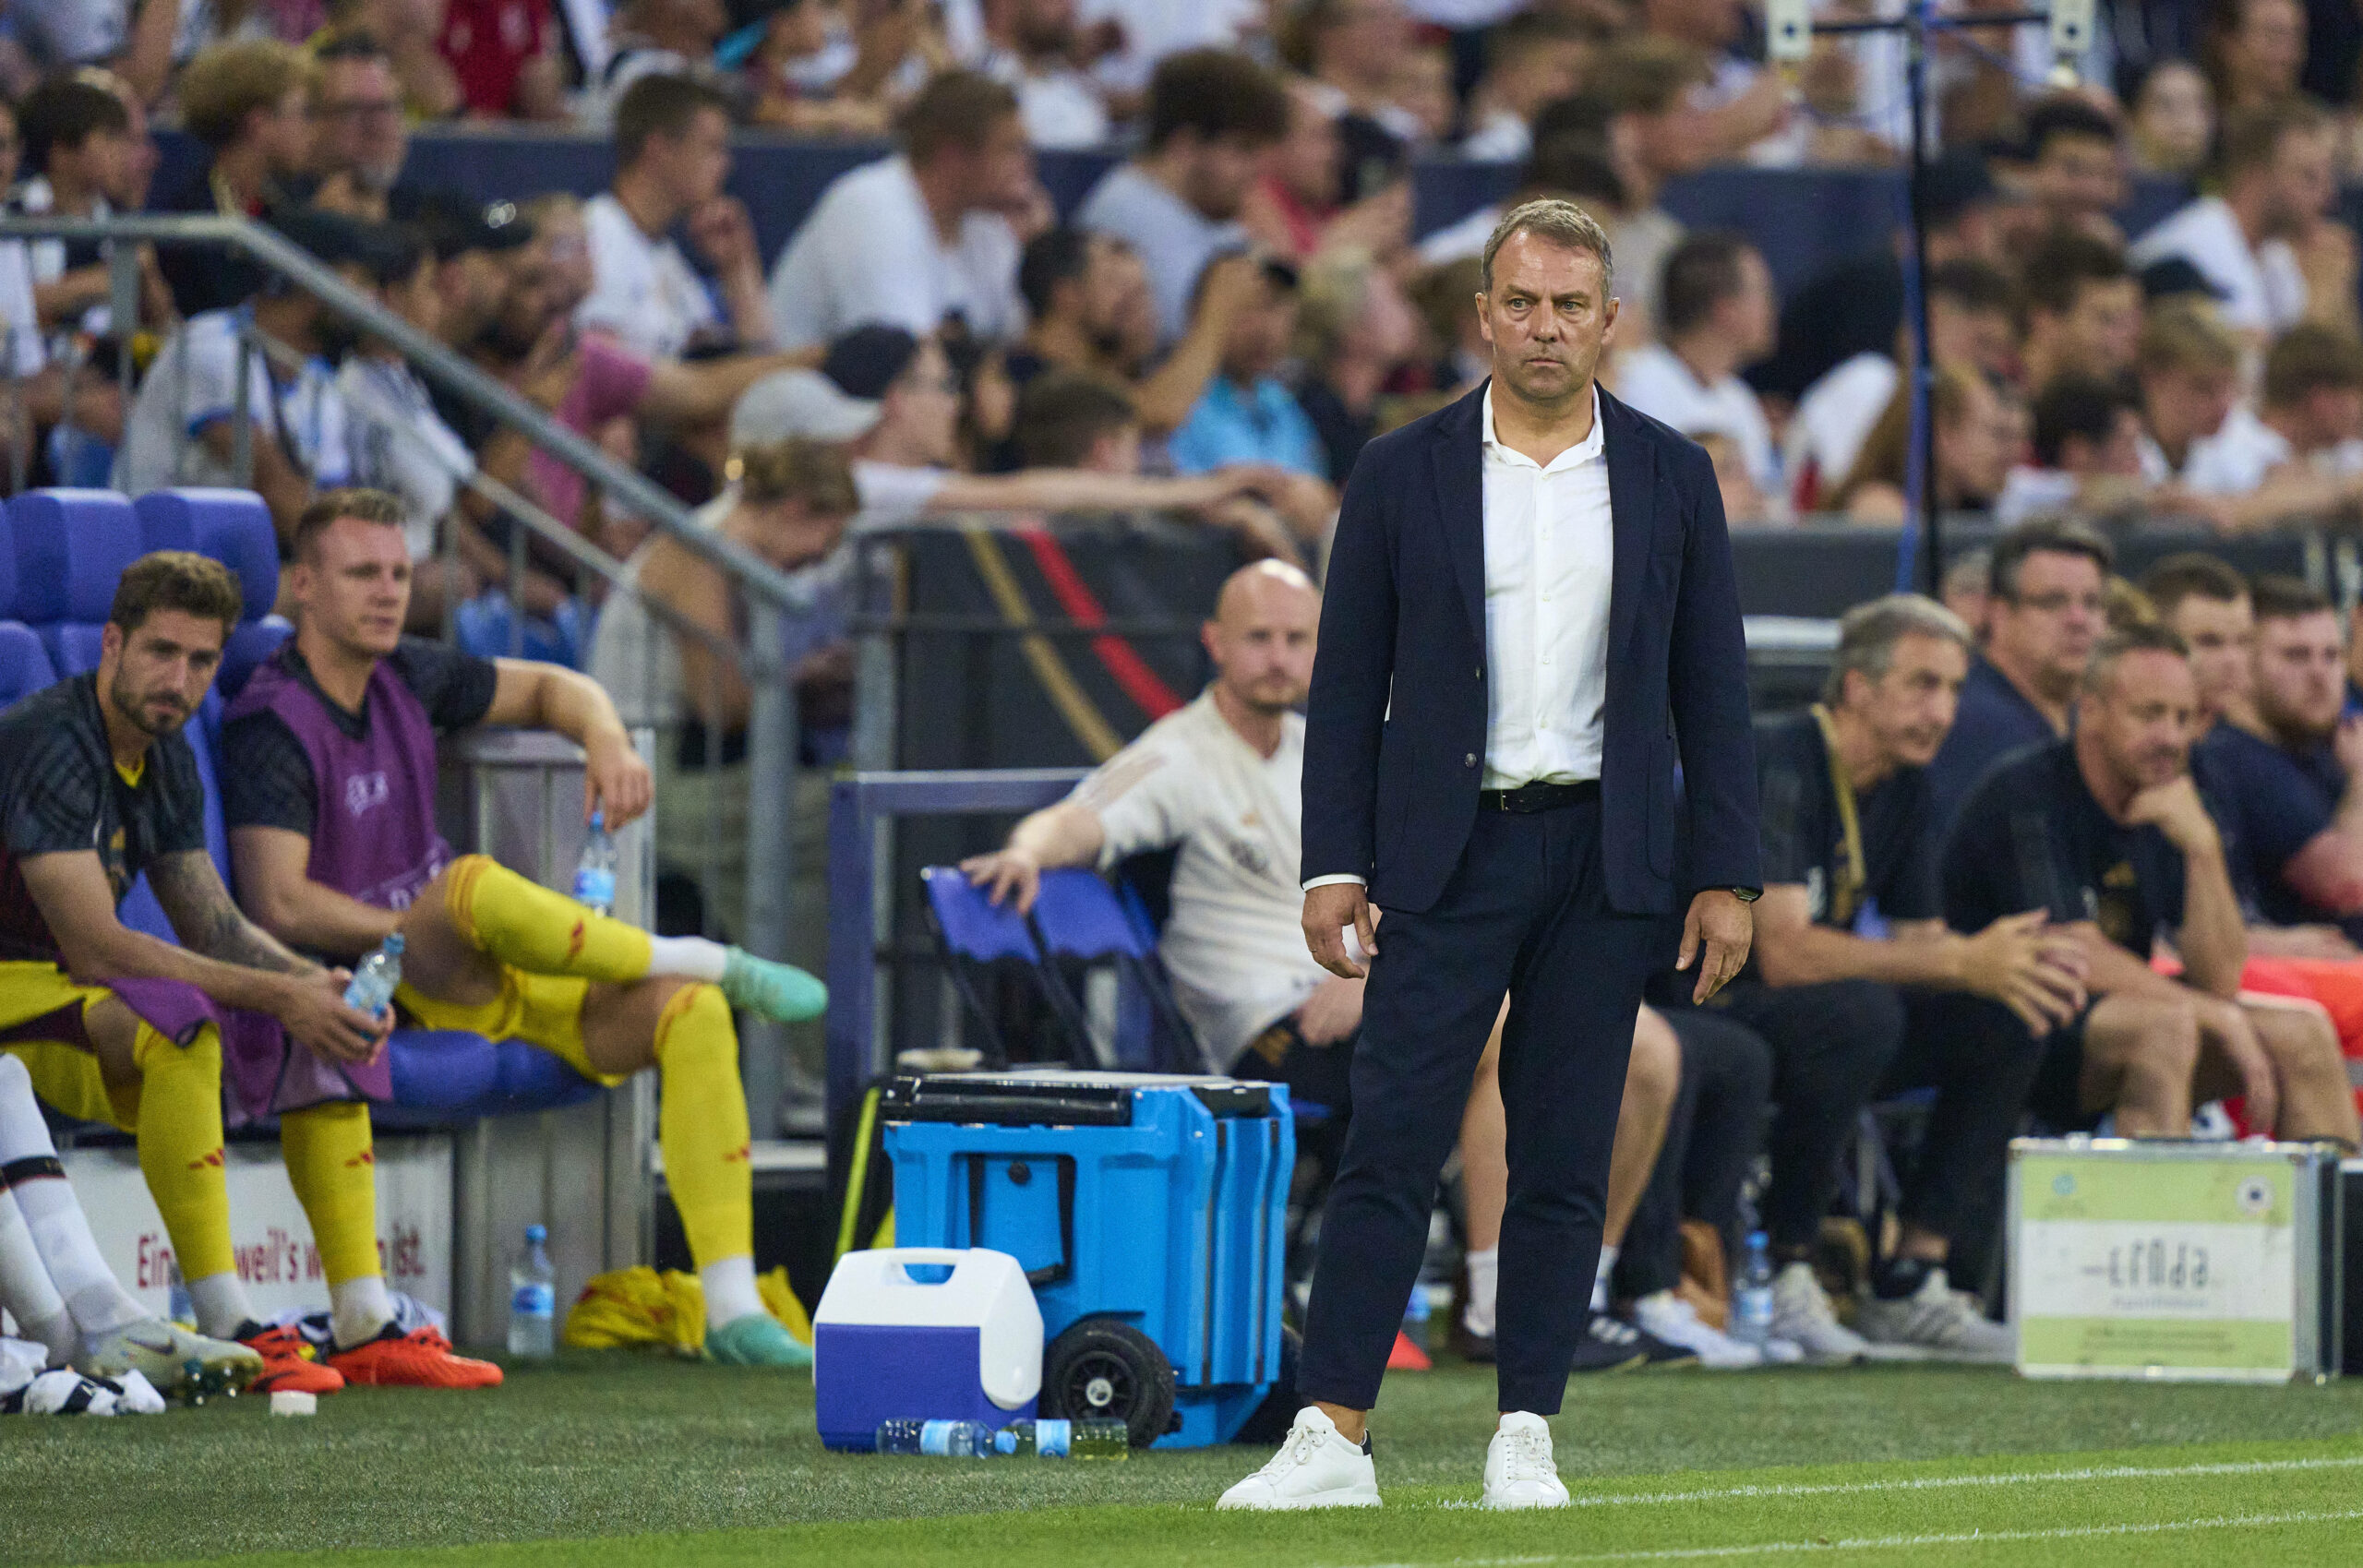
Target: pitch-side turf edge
1892	1543
1922	1483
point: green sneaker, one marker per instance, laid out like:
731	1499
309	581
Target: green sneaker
756	1340
780	992
180	1364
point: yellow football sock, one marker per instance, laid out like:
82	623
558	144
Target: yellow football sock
334	1172
703	1125
180	1146
525	926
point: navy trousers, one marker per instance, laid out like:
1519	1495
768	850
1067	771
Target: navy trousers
1526	913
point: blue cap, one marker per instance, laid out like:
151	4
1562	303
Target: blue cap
537	1233
394	943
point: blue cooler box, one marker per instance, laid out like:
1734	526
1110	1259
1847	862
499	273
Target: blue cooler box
925	1333
1148	1211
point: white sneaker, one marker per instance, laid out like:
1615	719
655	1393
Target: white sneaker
1520	1472
1939	1323
1316	1467
1668	1317
1803	1315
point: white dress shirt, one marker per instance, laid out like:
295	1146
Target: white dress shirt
1549	552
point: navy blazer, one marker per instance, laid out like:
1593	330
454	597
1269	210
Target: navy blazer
1395	728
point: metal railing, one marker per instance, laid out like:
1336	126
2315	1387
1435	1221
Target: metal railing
773	598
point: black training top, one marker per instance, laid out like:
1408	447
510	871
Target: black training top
265	775
60	791
1804	838
2031	836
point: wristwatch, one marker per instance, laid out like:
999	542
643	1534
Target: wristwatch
1746	895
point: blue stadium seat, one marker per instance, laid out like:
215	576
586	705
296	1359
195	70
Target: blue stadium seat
7	566
74	646
24	664
448	1075
975	935
1082	919
247	647
70	546
231	526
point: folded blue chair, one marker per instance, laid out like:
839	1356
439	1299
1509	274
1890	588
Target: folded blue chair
975	934
1081	919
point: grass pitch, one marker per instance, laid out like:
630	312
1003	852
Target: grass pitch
619	1461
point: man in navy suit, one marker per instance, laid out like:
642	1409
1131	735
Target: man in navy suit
1529	616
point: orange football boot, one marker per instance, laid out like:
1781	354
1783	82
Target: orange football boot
289	1363
421	1358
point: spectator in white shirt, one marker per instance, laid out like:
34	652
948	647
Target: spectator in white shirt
2083	309
1031	47
1739	103
2087	449
398	444
1977	437
1970	321
925	235
1718	319
1144	34
672	142
180	428
2188	364
904	386
1351	50
1211	115
2264	242
2301	454
1533	59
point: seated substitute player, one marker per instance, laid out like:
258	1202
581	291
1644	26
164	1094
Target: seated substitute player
2106	832
1847	818
56	1283
97	784
328	773
2293	762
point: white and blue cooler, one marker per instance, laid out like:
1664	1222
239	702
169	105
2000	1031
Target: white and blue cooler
928	1333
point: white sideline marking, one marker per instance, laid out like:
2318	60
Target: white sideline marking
1886	1543
1930	1483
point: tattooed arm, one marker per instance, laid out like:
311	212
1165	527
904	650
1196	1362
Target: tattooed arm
226	958
189	888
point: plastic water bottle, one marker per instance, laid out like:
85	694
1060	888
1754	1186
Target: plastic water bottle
533	1299
1096	1438
595	874
371	990
1752	1301
935	1440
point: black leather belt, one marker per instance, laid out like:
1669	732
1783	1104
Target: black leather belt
1538	796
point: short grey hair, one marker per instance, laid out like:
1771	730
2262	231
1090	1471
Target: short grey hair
1868	633
1561	223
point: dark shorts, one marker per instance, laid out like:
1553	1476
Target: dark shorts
1315	1075
2057	1099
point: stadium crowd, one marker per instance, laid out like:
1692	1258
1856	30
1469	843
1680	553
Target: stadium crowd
2062	847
